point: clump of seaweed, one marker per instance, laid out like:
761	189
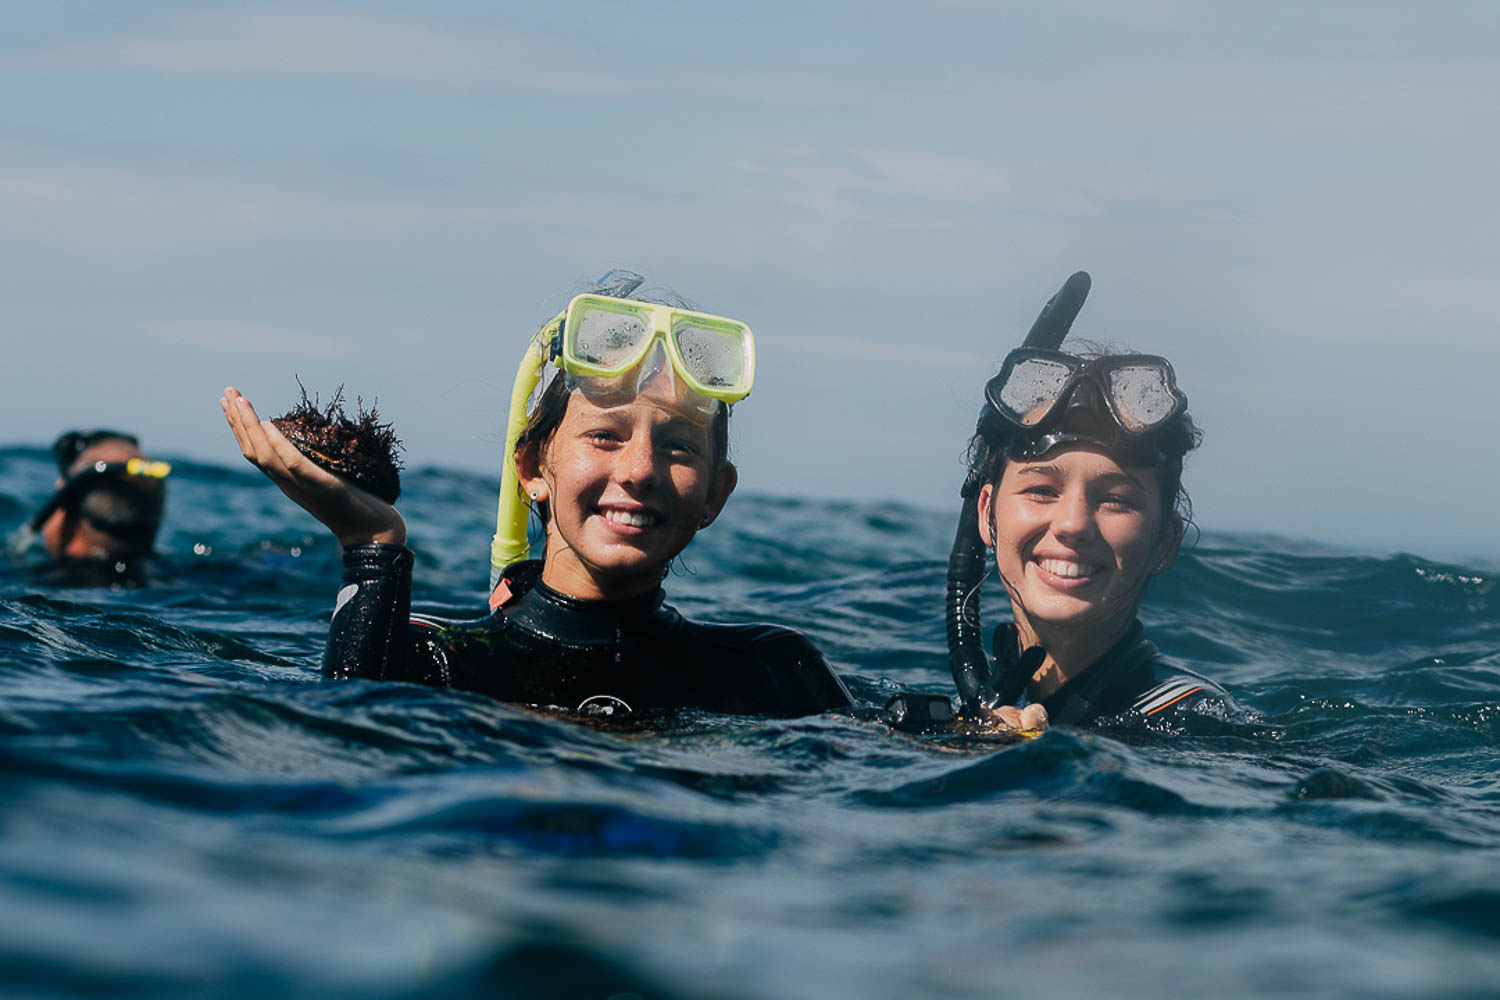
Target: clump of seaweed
360	449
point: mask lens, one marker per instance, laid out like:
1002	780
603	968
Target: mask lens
1032	388
714	356
1142	396
607	338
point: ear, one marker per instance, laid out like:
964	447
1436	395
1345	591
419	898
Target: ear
986	500
531	471
718	494
1168	547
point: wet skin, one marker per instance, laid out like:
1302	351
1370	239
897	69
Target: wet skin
628	486
354	515
1076	536
72	537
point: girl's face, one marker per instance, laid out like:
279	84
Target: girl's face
628	487
1076	536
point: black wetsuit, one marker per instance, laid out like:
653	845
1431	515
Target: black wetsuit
129	573
546	648
1131	681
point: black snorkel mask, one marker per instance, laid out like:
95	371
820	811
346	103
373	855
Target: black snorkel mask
1046	398
1007	421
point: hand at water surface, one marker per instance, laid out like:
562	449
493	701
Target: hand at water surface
354	515
1032	717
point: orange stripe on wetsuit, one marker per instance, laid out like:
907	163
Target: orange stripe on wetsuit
1175	700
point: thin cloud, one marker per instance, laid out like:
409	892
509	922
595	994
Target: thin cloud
217	337
328	44
58	197
855	351
827	175
422	52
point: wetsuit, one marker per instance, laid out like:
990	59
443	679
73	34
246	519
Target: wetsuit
545	648
128	573
1131	681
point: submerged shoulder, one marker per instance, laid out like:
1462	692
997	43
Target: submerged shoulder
434	625
787	659
747	635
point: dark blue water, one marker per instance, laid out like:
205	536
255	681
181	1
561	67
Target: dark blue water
187	809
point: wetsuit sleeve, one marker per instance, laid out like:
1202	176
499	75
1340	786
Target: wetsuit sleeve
370	635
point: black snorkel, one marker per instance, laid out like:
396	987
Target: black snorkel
966	565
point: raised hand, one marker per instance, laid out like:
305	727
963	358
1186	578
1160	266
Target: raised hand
352	514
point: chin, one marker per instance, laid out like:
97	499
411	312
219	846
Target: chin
1068	612
631	566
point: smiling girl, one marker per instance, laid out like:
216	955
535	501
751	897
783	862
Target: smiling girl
1076	486
624	458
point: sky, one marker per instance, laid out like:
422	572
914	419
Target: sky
1296	203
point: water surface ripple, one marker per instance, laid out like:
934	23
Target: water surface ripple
187	809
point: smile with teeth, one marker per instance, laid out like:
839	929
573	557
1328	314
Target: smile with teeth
630	518
1067	568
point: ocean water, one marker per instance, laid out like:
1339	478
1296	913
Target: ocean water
187	809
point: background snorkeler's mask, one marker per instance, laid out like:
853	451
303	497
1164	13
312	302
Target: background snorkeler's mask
70	495
613	350
1045	398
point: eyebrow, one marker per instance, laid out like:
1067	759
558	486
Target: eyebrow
1057	470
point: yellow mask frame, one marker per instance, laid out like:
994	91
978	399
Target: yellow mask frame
557	340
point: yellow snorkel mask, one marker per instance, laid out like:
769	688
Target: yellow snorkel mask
613	349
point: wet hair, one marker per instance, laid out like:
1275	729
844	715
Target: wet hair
1173	442
552	406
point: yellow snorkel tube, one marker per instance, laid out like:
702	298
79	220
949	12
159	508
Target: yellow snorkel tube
510	543
600	338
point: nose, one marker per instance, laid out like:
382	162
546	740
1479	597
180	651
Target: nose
1074	517
637	464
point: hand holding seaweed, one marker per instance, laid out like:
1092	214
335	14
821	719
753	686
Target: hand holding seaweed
360	449
313	476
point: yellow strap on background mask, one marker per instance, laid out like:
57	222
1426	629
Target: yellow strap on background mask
146	467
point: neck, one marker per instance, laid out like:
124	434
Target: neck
566	576
1070	651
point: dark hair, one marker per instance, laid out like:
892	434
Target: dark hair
550	409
